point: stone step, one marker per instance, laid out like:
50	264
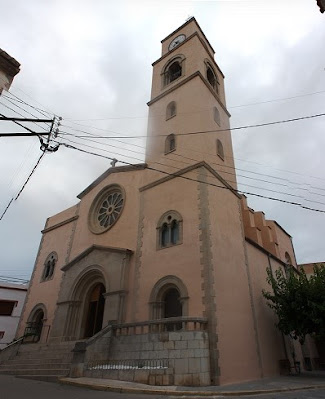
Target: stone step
22	360
45	347
28	366
36	371
45	355
46	378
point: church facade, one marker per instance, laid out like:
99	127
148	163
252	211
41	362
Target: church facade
164	261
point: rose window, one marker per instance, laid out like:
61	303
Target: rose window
106	209
110	209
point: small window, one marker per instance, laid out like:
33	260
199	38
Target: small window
212	77
216	115
169	230
171	110
170	143
7	307
220	150
2	333
49	266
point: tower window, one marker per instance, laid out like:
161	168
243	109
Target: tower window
170	143
216	115
220	150
49	266
212	77
173	70
171	110
169	230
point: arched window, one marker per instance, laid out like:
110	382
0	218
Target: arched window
49	266
168	298
220	150
216	115
173	70
170	143
169	230
288	258
212	77
171	110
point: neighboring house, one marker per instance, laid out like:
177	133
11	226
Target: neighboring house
12	297
166	256
9	68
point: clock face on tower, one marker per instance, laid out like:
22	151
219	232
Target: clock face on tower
176	41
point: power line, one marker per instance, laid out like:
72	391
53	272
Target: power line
203	109
24	185
218	164
198	181
218	130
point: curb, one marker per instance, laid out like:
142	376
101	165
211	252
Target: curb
120	389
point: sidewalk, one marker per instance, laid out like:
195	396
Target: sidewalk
304	381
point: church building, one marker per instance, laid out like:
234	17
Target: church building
156	274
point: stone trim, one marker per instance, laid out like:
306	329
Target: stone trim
207	274
138	257
117	169
92	248
251	296
55	226
265	251
184	81
189	169
118	292
30	285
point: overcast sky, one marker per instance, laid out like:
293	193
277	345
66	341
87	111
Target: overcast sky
90	63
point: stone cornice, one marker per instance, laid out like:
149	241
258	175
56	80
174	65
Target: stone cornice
185	41
109	171
189	169
184	81
55	226
93	248
182	26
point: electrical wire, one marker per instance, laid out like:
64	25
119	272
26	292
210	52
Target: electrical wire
199	181
220	165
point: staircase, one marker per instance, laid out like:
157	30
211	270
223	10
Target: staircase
40	361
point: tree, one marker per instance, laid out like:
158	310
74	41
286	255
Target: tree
298	301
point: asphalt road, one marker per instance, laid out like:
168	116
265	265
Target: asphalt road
18	388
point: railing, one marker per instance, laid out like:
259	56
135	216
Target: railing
10	351
33	329
161	325
147	364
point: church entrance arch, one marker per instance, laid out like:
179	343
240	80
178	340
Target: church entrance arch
86	306
94	308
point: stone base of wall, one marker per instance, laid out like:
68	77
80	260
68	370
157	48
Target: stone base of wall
166	358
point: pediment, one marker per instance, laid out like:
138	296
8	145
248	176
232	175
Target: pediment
100	248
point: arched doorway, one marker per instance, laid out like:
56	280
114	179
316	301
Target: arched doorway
172	303
34	327
95	310
172	307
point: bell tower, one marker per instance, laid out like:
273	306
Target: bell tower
188	119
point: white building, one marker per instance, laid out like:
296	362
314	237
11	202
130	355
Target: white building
12	298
